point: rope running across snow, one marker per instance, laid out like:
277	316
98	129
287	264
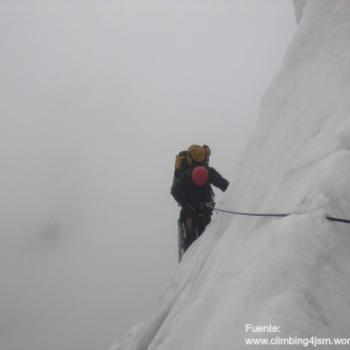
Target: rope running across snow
275	215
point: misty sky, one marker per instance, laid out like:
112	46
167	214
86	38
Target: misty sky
97	97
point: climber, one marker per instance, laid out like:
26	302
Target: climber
192	187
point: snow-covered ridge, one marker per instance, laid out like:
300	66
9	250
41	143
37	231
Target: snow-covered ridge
292	272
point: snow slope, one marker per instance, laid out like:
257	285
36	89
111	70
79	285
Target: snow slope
292	272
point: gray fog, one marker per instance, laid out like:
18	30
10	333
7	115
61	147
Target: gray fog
97	97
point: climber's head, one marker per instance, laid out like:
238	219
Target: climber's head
200	175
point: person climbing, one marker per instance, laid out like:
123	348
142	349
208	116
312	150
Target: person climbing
192	190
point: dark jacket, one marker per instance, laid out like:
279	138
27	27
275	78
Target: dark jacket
186	193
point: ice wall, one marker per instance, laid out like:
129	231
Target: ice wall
292	272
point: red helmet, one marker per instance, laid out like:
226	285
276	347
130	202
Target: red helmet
200	175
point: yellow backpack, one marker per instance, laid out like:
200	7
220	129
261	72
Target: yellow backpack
194	154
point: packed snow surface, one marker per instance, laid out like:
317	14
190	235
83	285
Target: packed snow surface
292	272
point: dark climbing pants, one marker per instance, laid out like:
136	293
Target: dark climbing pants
195	223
